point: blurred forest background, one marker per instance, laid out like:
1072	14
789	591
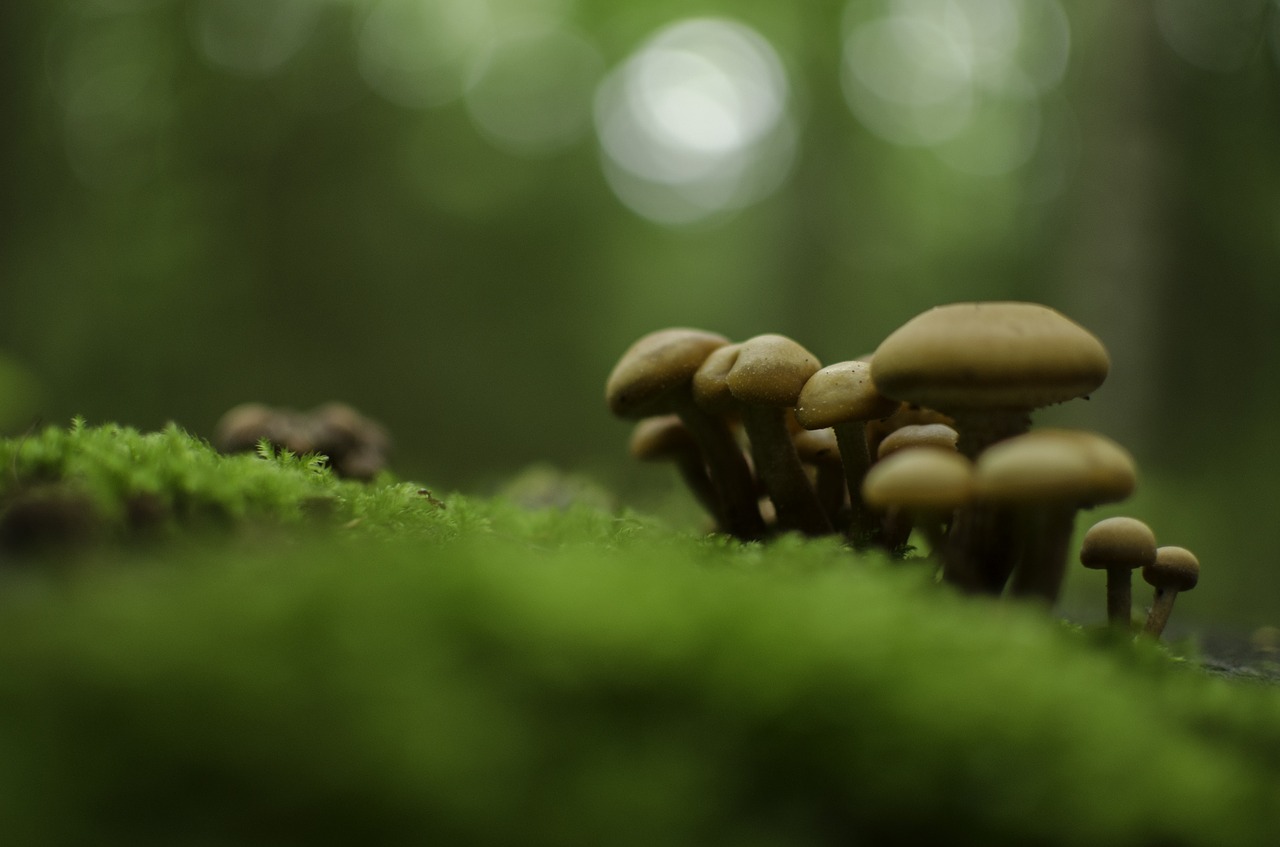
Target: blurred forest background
455	215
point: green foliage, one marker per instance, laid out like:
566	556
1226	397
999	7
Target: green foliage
414	670
130	485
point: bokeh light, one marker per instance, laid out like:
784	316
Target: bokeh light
908	80
1218	36
530	90
416	52
961	78
696	122
252	37
113	77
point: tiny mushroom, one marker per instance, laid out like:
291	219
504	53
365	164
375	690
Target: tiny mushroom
243	426
1118	546
766	378
923	487
665	438
1175	569
357	446
843	397
653	377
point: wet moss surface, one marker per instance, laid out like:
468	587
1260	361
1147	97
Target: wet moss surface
411	668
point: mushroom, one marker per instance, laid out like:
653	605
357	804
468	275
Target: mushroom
357	446
818	449
937	436
924	486
766	378
843	397
1040	480
1118	545
988	365
1175	569
241	427
907	414
653	377
666	438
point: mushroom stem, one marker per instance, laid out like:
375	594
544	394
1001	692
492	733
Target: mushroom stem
1120	598
980	428
1043	562
864	528
694	474
1161	609
980	552
779	468
982	557
728	470
829	486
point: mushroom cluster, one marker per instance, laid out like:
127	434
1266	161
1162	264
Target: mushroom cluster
357	446
930	433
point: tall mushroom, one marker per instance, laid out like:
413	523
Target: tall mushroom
843	397
653	378
766	378
987	366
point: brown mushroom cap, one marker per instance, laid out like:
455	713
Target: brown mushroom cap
839	393
656	365
817	446
243	426
989	355
1119	542
919	479
660	438
771	370
937	436
1055	465
1174	569
710	381
907	414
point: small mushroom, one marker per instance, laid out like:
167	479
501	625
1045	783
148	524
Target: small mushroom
1117	546
1174	570
1040	480
843	397
243	426
935	436
907	414
653	377
767	378
666	439
356	445
924	487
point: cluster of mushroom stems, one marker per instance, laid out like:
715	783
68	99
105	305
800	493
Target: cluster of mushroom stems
930	434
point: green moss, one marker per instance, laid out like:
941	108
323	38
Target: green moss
480	674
